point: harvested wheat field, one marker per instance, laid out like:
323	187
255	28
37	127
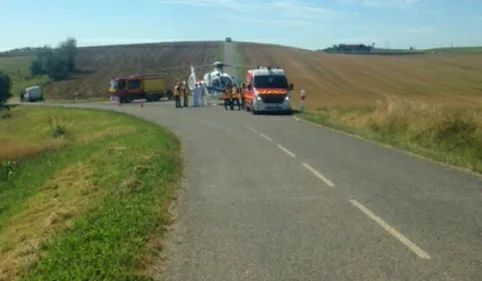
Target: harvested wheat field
350	81
97	65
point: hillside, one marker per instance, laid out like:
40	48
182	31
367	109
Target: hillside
357	80
97	65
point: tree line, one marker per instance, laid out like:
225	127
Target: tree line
58	62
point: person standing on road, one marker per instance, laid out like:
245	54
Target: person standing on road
195	95
201	94
235	97
243	95
227	98
22	95
177	95
184	94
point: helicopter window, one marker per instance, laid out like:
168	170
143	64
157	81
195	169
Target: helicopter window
221	82
270	81
216	82
227	81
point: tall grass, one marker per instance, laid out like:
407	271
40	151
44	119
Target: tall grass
450	136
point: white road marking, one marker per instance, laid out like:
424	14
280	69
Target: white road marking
286	150
319	175
422	254
251	128
265	136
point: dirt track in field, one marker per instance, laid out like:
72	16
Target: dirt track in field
355	80
99	64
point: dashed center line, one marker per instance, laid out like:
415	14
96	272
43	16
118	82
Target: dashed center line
319	175
422	254
265	136
286	150
250	128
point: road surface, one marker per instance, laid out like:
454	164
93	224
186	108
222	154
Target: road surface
270	198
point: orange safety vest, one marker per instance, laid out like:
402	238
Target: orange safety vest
227	94
236	94
177	92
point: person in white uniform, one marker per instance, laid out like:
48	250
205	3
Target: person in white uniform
195	95
201	95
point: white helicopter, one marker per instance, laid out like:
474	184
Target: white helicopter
213	82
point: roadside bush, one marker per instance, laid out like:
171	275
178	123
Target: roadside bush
5	88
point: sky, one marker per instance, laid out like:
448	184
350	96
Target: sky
310	24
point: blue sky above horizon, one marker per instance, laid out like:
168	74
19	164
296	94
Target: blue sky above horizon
301	23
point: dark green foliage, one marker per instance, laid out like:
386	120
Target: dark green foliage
58	62
5	87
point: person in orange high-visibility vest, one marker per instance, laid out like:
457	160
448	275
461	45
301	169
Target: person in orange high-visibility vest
227	98
236	96
243	95
177	95
185	96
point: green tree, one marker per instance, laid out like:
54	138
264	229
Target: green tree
57	68
5	87
68	48
36	67
56	63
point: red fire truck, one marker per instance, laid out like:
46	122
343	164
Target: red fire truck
148	87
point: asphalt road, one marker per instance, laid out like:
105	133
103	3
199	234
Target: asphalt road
275	199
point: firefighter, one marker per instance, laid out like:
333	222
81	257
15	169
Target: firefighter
227	98
243	95
235	97
177	95
185	94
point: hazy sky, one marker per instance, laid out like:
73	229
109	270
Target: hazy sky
303	23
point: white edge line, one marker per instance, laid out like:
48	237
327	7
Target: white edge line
319	175
286	150
421	253
251	128
265	136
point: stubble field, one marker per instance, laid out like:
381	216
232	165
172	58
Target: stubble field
349	81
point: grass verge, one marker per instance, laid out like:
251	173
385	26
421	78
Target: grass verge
86	193
453	137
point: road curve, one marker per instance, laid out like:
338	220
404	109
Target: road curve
271	198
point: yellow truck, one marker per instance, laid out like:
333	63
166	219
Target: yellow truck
148	87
